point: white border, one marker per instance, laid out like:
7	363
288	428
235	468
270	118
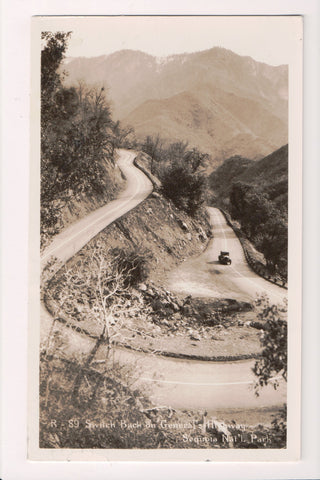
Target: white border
15	145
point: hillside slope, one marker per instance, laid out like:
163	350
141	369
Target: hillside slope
255	194
212	120
268	175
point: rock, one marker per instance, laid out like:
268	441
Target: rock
248	324
189	236
187	310
220	427
155	194
179	303
157	305
195	336
183	225
165	322
142	286
175	307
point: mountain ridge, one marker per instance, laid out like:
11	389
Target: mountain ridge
252	123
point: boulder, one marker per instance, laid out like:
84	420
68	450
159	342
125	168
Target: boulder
220	427
165	322
175	307
155	194
183	225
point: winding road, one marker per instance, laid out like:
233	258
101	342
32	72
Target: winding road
204	276
172	382
73	238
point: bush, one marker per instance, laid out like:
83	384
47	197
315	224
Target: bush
263	224
133	264
185	189
78	139
273	360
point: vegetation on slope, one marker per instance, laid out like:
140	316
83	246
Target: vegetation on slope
256	195
78	141
180	170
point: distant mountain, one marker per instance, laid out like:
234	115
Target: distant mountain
220	102
216	122
268	175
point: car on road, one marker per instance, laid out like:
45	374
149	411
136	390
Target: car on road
224	258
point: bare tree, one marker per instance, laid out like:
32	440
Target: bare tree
95	288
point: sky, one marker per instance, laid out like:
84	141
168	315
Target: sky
266	39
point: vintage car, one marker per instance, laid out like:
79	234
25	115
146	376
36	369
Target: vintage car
224	258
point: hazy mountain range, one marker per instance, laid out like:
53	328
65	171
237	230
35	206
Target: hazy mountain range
218	101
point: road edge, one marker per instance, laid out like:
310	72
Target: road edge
247	256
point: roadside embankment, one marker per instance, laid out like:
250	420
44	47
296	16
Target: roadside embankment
161	322
253	257
142	161
75	207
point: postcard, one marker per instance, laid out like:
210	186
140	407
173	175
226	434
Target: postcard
165	227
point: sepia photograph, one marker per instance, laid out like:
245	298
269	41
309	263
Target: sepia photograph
165	278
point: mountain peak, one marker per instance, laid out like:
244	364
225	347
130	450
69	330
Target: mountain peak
222	103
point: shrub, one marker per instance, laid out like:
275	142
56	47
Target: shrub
273	360
132	263
185	189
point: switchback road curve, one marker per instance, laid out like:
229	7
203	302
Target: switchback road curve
73	238
177	383
204	276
